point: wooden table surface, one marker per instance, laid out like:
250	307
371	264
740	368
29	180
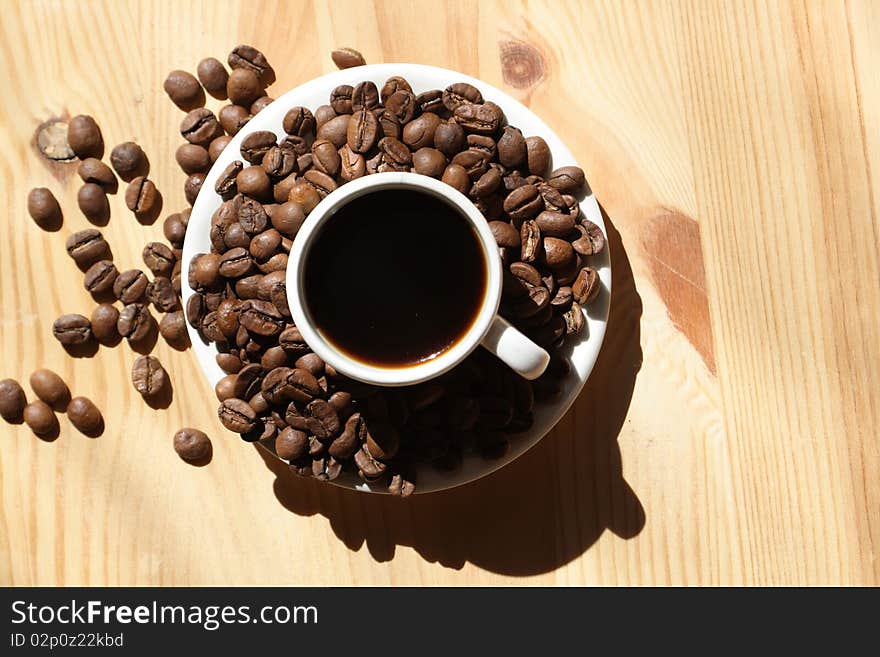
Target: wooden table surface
729	433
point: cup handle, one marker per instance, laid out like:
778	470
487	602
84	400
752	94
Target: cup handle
521	354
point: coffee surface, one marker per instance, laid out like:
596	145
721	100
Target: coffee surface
395	278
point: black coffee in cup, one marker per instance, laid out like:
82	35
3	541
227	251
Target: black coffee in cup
395	277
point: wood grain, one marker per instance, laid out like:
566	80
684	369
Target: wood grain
728	434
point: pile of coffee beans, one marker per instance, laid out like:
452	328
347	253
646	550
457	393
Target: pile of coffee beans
280	393
53	396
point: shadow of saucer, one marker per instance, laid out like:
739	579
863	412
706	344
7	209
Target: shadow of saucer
537	513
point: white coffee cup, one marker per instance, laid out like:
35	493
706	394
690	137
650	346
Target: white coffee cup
489	329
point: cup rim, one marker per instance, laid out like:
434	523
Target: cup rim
409	374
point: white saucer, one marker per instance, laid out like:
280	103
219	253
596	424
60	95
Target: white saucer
582	351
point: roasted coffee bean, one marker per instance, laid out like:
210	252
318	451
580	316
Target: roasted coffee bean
103	322
246	288
226	182
50	387
173	328
255	146
199	126
347	58
430	101
235	236
402	104
431	162
537	155
558	253
400	486
304	386
192	187
363	131
419	133
340	99
141	196
291	444
322	420
382	441
456	177
325	157
512	151
566	275
325	468
195	310
12	400
574	320
161	293
490	206
254	182
229	363
288	218
486	185
233	118
44	209
523	203
275	387
365	95
292	341
217	145
461	93
389	124
236	415
273	358
563	299
323	114
159	259
530	236
92	170
247	57
537	299
586	286
351	165
555	224
299	121
84	137
261	318
336	130
225	388
395	152
483	119
100	277
235	263
228	317
252	216
135	322
322	183
312	363
192	445
129	160
473	162
505	234
130	285
85	416
192	158
264	245
260	104
370	468
40	418
72	329
184	90
148	376
206	270
484	145
243	87
568	180
213	76
248	382
279	162
392	85
591	240
93	203
449	138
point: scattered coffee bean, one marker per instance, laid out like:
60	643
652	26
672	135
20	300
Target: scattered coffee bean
135	322
50	387
44	209
130	286
217	145
248	57
92	170
243	87
148	376
347	58
129	160
72	329
85	416
213	76
104	320
586	286
184	90
93	203
193	158
192	187
84	137
141	196
192	445
236	415
12	400
199	127
39	417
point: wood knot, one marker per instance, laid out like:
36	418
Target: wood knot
51	140
522	64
